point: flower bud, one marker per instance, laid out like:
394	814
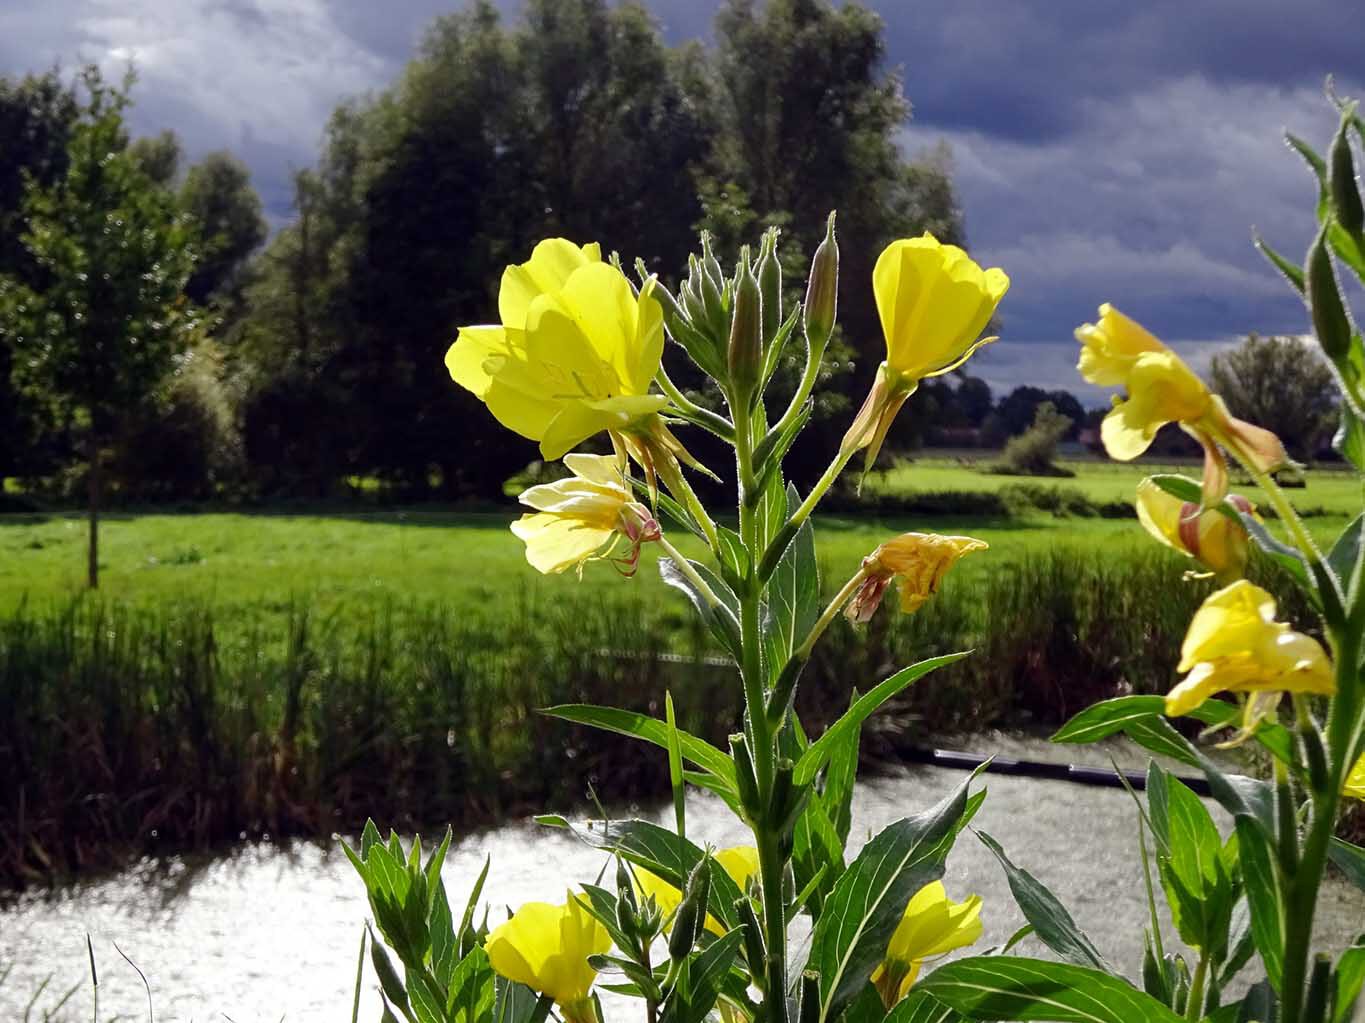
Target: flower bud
709	263
1345	194
769	275
1330	321
690	920
746	335
753	935
745	780
1217	540
822	291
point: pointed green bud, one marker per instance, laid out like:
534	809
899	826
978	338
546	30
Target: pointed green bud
753	936
693	305
745	353
769	275
709	263
822	291
1346	201
690	920
745	779
1331	323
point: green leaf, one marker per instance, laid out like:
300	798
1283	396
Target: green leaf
1349	440
1011	988
1055	927
1350	976
1274	737
1344	558
1103	719
793	593
675	768
722	620
817	852
641	726
920	1007
734	559
660	852
1264	894
389	982
517	1003
470	996
1350	859
706	972
841	773
867	903
824	747
1292	272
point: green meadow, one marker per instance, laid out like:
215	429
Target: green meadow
251	672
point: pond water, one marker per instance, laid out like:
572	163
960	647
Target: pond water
271	931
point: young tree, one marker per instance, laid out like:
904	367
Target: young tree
100	325
1282	383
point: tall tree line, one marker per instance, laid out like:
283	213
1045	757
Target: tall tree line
321	354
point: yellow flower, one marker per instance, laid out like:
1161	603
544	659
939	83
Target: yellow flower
1118	352
932	926
1209	536
740	862
574	355
934	301
1355	781
546	947
580	518
918	560
1235	645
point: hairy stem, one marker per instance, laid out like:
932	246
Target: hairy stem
1194	1006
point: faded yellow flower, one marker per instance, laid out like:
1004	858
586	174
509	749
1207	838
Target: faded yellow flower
919	561
575	353
1209	536
1235	645
582	517
933	925
546	947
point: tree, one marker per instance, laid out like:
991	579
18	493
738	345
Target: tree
36	117
102	323
226	213
1034	452
1283	384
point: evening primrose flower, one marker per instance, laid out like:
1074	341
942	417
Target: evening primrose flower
918	560
740	862
1355	781
1119	352
1217	540
575	353
933	925
1235	645
934	301
581	518
546	947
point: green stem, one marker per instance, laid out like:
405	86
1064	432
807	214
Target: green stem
676	481
835	606
1343	733
685	567
1194	1006
703	417
762	737
821	486
1284	508
803	391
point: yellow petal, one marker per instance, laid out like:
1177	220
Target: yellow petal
1355	781
467	358
740	862
1110	348
545	273
554	543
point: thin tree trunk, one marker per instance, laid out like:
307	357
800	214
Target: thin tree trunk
94	564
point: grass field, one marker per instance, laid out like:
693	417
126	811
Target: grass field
259	565
249	673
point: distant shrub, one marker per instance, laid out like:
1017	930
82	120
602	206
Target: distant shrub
1034	452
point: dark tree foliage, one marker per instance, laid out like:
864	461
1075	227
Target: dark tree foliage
228	223
37	114
1283	384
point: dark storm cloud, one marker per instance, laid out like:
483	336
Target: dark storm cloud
1103	151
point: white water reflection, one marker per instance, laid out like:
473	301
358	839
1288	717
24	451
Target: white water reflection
273	932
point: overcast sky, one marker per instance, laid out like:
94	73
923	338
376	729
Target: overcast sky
1103	150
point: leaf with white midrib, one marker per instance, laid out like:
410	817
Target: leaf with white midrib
1026	990
867	903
